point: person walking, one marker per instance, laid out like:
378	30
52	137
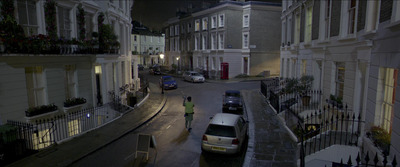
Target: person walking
188	112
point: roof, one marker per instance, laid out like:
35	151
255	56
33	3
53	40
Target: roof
224	119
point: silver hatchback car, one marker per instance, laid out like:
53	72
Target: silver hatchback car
193	76
225	134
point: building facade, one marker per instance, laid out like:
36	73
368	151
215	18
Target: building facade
350	47
68	65
147	46
228	32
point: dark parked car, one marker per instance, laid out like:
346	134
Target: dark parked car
168	82
232	102
140	67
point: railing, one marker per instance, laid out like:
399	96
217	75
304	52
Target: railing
366	161
27	138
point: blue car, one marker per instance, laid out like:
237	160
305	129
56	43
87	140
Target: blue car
168	82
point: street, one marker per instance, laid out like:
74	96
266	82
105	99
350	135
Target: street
175	145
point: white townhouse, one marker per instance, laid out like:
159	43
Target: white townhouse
59	71
242	34
147	45
351	47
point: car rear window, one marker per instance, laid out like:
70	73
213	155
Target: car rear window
219	130
232	94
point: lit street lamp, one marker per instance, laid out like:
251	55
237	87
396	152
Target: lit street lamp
162	58
162	80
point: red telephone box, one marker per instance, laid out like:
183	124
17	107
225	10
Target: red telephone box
224	71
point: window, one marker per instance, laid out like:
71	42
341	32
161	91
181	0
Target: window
297	29
352	16
214	22
245	40
171	31
176	29
205	23
389	77
246	20
27	16
327	17
188	44
339	81
304	67
135	38
213	42
183	28
221	41
35	85
213	63
189	26
283	39
88	25
197	25
308	25
64	22
221	20
196	43
70	81
204	42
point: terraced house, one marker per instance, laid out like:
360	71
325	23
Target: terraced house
58	54
350	47
242	34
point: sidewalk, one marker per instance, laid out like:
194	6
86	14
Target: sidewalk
71	151
270	143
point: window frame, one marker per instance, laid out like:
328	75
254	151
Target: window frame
204	23
221	20
214	22
246	20
28	26
245	40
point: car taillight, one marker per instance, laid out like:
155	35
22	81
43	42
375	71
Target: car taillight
235	141
205	138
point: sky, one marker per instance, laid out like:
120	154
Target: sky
154	13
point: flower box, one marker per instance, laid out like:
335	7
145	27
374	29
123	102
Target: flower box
73	108
48	115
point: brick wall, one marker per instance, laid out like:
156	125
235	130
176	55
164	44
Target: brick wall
335	18
386	10
315	20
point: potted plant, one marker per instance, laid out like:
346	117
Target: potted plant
380	137
336	101
74	104
40	112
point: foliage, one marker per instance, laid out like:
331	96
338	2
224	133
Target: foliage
107	38
241	76
74	101
7	8
81	22
336	100
174	66
301	86
291	84
38	44
50	18
32	111
11	34
380	137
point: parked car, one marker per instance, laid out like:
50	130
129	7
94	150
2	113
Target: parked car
193	76
140	67
225	134
168	82
155	71
232	102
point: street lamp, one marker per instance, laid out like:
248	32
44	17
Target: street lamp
162	58
177	59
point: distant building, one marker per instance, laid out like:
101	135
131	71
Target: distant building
242	34
147	46
351	47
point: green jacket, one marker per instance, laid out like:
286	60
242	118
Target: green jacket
189	107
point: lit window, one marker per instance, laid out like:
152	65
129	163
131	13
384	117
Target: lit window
308	24
205	23
27	16
389	77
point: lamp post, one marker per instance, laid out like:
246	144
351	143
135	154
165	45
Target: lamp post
162	58
162	80
177	59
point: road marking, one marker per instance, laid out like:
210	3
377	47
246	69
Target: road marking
168	126
129	156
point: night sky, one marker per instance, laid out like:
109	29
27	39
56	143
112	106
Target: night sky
154	13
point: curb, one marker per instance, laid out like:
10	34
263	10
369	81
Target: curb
123	134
